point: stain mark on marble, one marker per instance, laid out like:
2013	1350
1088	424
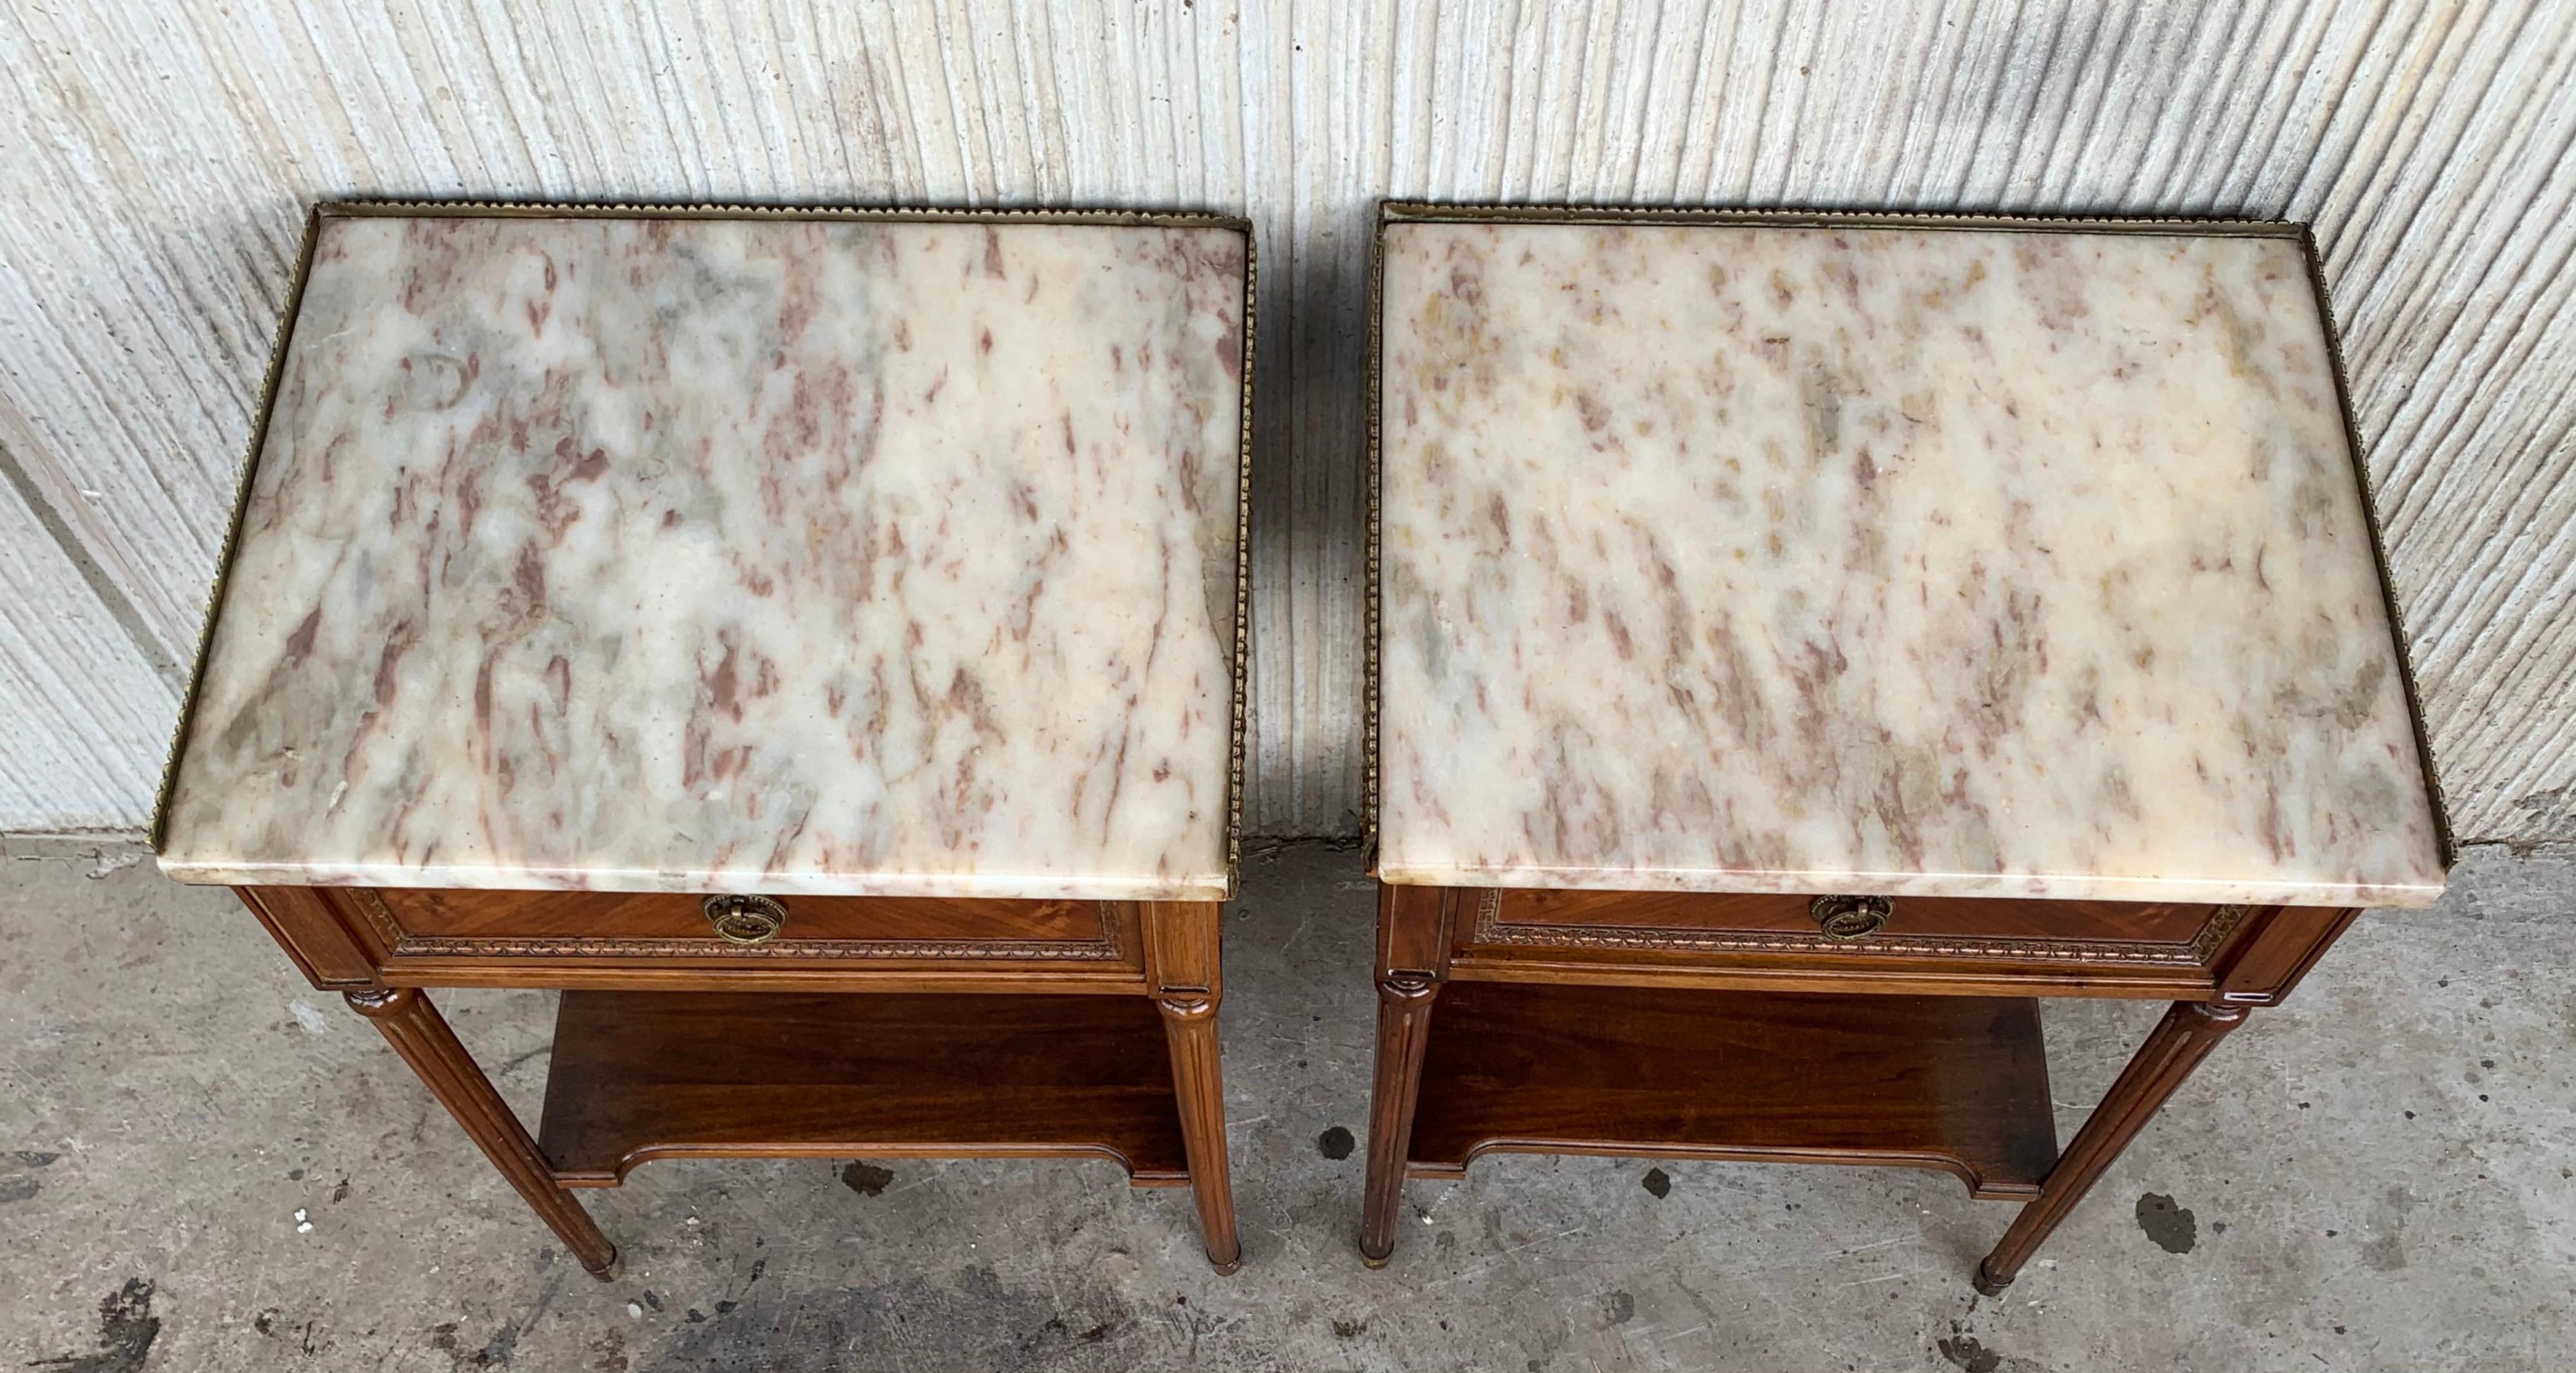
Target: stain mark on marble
1335	1143
1658	1182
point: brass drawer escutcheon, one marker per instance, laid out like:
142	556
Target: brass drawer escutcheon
746	919
1851	917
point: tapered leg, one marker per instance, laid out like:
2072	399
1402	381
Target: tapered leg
2181	1040
1181	964
1413	959
420	1034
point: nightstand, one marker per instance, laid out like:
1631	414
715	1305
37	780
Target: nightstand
1802	643
810	639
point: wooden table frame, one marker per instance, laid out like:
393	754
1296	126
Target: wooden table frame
1777	1046
710	1011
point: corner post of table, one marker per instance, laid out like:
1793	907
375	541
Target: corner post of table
421	1035
2187	1034
1181	967
1413	936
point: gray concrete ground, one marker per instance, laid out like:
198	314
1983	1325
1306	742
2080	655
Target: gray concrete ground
206	1165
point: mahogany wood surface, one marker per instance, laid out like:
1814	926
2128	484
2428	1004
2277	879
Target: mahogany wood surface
421	1035
347	936
645	1075
1509	1063
1181	964
2186	1035
2115	921
2262	966
667	915
1413	940
1958	1083
305	924
673	1041
2247	955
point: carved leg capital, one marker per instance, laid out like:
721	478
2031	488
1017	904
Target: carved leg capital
379	1003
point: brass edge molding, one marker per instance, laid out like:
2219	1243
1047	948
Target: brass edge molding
1242	574
1373	481
2297	231
1425	211
1491	929
2447	850
412	207
1110	947
403	207
277	350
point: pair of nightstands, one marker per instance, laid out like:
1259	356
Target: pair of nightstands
813	640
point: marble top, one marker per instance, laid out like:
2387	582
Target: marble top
839	556
1943	562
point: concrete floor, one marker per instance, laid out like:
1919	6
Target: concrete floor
204	1165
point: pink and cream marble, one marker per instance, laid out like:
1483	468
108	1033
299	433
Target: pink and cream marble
818	556
1949	562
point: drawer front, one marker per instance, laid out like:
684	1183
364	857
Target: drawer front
2117	931
626	924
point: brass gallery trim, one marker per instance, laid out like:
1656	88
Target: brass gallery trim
1392	212
493	209
1109	948
1490	928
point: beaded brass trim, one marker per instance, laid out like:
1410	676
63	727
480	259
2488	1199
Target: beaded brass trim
500	209
1414	211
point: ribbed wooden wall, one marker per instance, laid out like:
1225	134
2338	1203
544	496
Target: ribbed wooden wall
155	158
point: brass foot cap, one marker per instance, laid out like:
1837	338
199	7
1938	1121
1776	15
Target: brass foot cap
1228	1268
614	1269
1987	1283
1377	1260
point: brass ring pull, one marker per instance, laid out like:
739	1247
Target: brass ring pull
1851	917
745	919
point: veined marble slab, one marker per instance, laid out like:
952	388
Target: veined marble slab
1928	562
736	554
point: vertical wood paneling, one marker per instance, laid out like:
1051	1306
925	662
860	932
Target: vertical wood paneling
154	159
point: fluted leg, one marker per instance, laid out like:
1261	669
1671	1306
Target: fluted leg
2181	1040
421	1035
1413	958
1181	963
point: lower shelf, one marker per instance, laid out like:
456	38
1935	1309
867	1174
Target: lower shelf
1957	1083
646	1075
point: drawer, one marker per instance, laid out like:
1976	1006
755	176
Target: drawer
1655	925
469	922
1906	917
